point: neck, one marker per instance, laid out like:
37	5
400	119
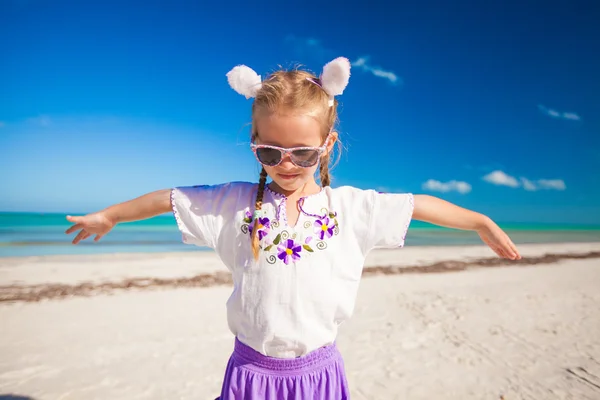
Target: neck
307	189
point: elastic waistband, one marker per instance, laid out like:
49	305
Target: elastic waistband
319	358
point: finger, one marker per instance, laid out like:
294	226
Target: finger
496	249
514	248
87	235
510	251
73	219
79	237
74	228
98	237
519	256
502	253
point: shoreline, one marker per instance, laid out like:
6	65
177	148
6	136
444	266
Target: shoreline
203	269
201	252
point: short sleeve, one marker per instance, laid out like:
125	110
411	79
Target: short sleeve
202	211
389	218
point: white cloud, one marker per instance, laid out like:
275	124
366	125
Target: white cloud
313	48
573	116
453	185
363	63
528	185
557	114
501	179
498	178
543	184
554	184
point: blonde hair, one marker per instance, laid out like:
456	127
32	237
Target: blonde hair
294	92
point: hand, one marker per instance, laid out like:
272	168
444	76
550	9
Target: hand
92	224
498	241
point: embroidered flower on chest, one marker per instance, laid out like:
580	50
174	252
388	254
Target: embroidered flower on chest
289	250
324	228
292	244
263	228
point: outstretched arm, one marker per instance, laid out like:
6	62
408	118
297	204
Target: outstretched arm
101	222
440	212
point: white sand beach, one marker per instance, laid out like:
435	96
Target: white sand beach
430	322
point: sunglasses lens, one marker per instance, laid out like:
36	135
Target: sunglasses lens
305	158
268	156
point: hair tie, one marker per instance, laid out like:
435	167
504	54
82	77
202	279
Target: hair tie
335	77
333	80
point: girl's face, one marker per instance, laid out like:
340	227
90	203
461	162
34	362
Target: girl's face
289	131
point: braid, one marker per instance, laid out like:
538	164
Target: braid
324	171
258	206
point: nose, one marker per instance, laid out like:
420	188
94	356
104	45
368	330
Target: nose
286	161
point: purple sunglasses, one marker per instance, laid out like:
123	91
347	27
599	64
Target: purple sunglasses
303	157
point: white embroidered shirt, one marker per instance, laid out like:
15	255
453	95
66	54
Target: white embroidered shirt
292	299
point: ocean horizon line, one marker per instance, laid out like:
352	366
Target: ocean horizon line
39	234
59	219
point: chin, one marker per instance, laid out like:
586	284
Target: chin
290	184
287	185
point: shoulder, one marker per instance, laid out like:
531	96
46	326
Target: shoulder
350	196
350	193
236	186
218	191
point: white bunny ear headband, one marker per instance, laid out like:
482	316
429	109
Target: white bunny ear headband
333	80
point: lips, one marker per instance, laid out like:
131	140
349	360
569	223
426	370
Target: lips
286	176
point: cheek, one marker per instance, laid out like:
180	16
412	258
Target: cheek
312	170
270	171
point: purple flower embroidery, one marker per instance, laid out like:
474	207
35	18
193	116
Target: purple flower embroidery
264	225
288	250
324	228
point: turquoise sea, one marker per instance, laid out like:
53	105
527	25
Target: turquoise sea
34	234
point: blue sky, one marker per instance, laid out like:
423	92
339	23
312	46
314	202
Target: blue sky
492	106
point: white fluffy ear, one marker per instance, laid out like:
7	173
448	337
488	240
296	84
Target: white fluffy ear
335	76
244	80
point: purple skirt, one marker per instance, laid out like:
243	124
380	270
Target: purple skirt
318	375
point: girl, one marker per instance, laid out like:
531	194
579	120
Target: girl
295	248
